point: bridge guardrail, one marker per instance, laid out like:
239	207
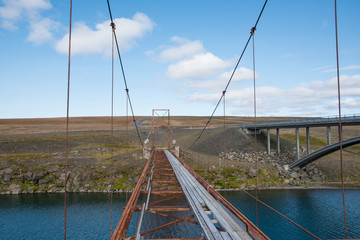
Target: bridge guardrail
293	122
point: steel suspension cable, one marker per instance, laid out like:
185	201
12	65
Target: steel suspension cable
112	120
127	124
212	115
67	120
124	77
224	167
340	126
134	120
231	77
255	135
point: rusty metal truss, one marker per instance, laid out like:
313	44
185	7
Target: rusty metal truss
166	203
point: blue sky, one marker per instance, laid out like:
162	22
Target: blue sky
178	55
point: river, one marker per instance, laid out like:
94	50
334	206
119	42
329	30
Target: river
41	216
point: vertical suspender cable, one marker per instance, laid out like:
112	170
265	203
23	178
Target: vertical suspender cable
127	119
67	120
340	127
124	78
224	165
112	117
127	133
255	144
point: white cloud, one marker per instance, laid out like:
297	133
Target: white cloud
14	11
205	75
315	98
350	103
323	68
86	40
200	66
241	74
345	103
328	69
41	31
192	60
186	50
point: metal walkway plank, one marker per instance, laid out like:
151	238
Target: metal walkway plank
197	193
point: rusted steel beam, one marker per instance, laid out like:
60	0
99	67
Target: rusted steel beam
255	232
157	209
163	169
167	199
175	217
163	192
165	181
169	209
175	239
123	224
164	226
166	174
174	186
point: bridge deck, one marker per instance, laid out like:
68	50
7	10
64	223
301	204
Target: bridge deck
207	209
174	194
317	122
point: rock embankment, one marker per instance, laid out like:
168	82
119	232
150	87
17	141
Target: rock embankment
273	170
286	157
297	176
51	179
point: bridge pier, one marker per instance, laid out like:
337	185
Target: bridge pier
297	144
328	130
268	141
340	132
307	140
278	139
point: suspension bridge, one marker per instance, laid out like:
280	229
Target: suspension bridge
173	193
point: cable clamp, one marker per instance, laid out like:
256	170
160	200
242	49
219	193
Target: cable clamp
113	26
253	30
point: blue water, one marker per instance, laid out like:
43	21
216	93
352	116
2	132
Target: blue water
41	216
318	211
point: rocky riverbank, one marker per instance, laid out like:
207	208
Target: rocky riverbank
51	179
114	176
35	164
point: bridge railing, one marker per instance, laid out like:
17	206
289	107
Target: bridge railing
303	121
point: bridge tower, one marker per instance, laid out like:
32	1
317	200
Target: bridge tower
155	112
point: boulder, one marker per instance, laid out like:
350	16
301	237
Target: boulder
280	169
8	171
52	169
253	172
15	189
38	175
46	180
76	182
316	178
7	178
61	180
294	175
28	176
